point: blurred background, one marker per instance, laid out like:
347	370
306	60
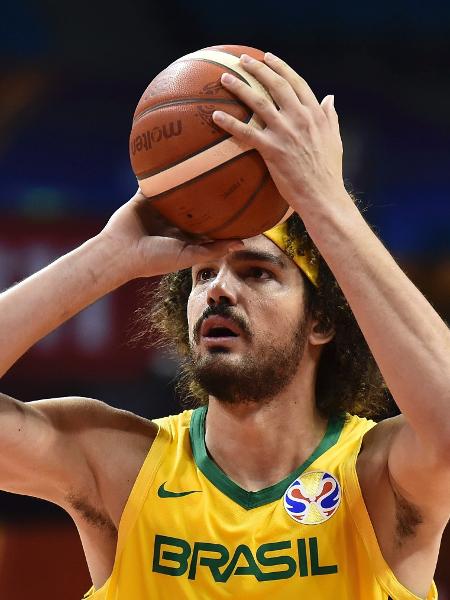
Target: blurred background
71	75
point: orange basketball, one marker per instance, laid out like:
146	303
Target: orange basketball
195	174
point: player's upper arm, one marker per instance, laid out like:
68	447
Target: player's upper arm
46	446
419	473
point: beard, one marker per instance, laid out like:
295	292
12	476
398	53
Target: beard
256	377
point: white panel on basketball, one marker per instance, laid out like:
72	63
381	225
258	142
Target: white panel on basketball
216	155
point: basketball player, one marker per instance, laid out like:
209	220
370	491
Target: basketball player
268	489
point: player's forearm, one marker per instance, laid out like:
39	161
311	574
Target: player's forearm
408	339
36	306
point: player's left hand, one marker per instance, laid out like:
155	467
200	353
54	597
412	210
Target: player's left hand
301	142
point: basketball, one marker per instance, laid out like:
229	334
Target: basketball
199	177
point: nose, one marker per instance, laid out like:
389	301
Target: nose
222	290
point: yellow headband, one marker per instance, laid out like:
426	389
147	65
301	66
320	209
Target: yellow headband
310	267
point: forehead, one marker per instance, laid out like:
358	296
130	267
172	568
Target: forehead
262	243
260	246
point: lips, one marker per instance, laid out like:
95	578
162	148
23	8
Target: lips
219	327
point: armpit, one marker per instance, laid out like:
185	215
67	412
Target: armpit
90	514
408	518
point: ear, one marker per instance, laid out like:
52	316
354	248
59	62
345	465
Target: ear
320	333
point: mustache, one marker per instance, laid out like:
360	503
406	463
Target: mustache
222	310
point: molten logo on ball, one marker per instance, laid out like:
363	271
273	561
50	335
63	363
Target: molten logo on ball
313	498
146	140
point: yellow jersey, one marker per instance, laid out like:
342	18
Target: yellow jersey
188	531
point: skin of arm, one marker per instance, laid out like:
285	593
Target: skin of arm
135	243
38	440
54	295
302	148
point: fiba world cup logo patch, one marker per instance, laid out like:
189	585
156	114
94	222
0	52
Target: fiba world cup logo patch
313	498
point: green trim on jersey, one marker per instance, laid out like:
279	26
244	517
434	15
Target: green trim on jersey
242	497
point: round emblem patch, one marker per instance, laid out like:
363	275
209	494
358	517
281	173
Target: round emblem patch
313	498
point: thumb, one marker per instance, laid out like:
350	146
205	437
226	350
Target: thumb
216	248
194	253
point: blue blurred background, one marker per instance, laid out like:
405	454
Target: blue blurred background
71	75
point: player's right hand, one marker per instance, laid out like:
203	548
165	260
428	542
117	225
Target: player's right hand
152	246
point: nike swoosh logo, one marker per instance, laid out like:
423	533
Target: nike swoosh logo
163	493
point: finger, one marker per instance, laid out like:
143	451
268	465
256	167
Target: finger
298	84
278	87
193	254
259	104
248	135
328	108
152	220
155	224
215	246
187	236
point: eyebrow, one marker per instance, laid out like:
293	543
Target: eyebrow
260	256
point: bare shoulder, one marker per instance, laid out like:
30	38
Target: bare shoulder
81	414
394	451
377	441
112	443
372	469
110	446
97	428
404	525
379	490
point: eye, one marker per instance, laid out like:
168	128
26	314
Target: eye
204	274
259	273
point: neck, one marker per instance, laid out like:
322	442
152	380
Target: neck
270	439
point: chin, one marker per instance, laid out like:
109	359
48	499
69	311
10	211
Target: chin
218	360
218	350
217	353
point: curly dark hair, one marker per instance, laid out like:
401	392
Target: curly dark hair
348	378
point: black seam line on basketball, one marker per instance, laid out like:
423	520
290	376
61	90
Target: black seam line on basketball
186	101
243	208
140	176
161	196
